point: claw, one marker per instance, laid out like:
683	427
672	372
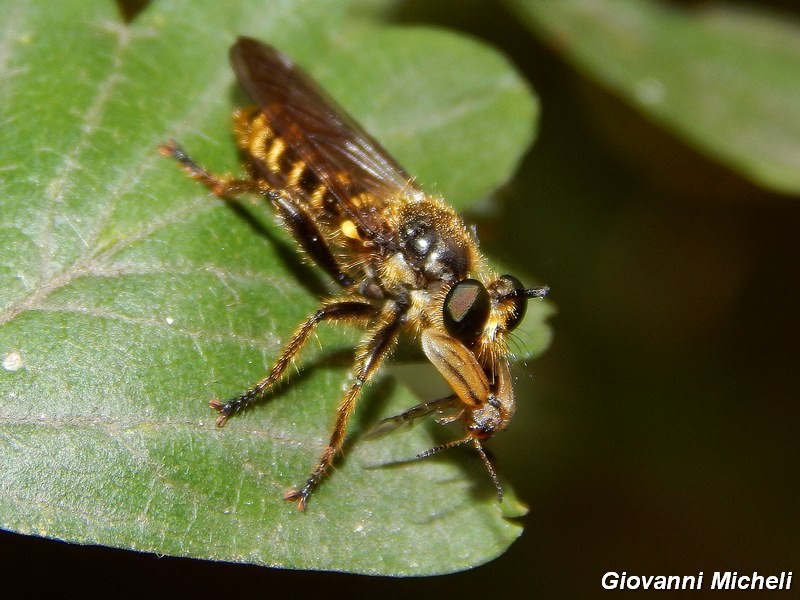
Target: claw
224	411
299	496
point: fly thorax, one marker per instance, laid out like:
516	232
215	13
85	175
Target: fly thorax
396	272
434	241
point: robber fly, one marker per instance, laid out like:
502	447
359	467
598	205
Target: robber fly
404	259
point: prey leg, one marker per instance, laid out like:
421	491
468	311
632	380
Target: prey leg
484	457
368	358
342	310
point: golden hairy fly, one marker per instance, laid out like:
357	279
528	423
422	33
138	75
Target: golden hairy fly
405	261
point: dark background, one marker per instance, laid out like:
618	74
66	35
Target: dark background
658	434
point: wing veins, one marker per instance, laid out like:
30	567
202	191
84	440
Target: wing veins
346	159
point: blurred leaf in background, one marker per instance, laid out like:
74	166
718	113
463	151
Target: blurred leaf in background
660	203
129	297
724	77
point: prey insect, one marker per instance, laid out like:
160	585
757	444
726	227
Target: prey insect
405	261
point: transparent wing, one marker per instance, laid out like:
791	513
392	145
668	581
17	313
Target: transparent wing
412	415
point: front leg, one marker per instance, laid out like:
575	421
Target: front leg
458	366
489	405
369	356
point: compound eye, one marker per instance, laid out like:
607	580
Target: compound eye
509	283
466	310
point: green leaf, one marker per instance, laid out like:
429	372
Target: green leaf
723	77
129	296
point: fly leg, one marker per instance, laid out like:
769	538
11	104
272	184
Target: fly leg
308	236
369	355
340	310
223	187
297	220
490	405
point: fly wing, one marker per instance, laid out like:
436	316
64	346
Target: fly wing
347	160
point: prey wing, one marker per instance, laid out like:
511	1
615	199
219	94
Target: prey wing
413	415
